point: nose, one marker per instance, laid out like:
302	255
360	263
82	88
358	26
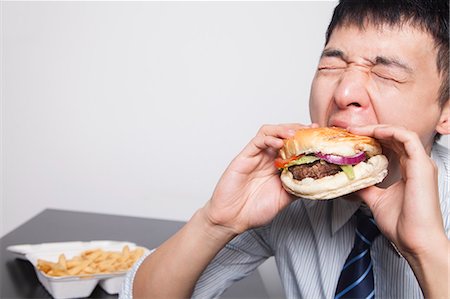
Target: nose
351	91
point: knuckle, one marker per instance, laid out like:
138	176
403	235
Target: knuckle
264	128
412	134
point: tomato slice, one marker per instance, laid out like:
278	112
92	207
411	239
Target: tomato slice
281	163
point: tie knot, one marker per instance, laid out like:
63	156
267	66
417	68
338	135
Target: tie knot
366	228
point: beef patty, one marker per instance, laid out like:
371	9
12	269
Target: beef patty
315	170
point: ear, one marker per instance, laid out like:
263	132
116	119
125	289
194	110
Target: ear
443	126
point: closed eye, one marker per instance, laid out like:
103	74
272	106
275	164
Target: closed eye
385	77
324	68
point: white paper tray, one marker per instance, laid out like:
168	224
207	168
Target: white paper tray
72	286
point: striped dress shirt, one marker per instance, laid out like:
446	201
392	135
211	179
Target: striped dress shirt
310	241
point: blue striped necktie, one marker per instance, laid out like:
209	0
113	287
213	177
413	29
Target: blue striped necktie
356	280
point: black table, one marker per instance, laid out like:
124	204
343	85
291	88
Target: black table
18	279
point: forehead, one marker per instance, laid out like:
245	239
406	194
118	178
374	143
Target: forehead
405	42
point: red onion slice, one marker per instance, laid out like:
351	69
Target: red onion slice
340	160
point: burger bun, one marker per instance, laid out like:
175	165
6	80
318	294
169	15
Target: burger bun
333	141
368	173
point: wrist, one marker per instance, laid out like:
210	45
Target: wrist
431	267
213	232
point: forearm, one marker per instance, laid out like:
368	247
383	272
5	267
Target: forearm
174	268
433	271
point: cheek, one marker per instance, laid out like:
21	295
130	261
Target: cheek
407	112
319	100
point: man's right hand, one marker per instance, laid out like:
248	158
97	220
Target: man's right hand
249	193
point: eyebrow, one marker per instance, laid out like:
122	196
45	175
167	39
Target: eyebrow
392	61
333	53
383	60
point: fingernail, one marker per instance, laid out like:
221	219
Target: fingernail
291	132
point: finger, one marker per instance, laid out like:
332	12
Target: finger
364	130
283	131
268	142
410	140
392	136
271	137
372	130
263	143
370	196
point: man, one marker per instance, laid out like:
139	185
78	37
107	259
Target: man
383	73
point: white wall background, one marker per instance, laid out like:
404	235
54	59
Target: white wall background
137	108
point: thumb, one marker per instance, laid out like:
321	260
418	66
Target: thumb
370	196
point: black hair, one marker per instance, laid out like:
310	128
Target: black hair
431	16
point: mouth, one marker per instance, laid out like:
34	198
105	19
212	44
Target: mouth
340	123
344	122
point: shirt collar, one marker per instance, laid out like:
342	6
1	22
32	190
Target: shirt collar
342	211
338	211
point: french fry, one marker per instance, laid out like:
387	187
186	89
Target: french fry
62	261
77	269
44	266
90	262
125	252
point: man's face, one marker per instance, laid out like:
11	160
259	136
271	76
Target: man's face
378	76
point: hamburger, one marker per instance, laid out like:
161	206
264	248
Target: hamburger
325	163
